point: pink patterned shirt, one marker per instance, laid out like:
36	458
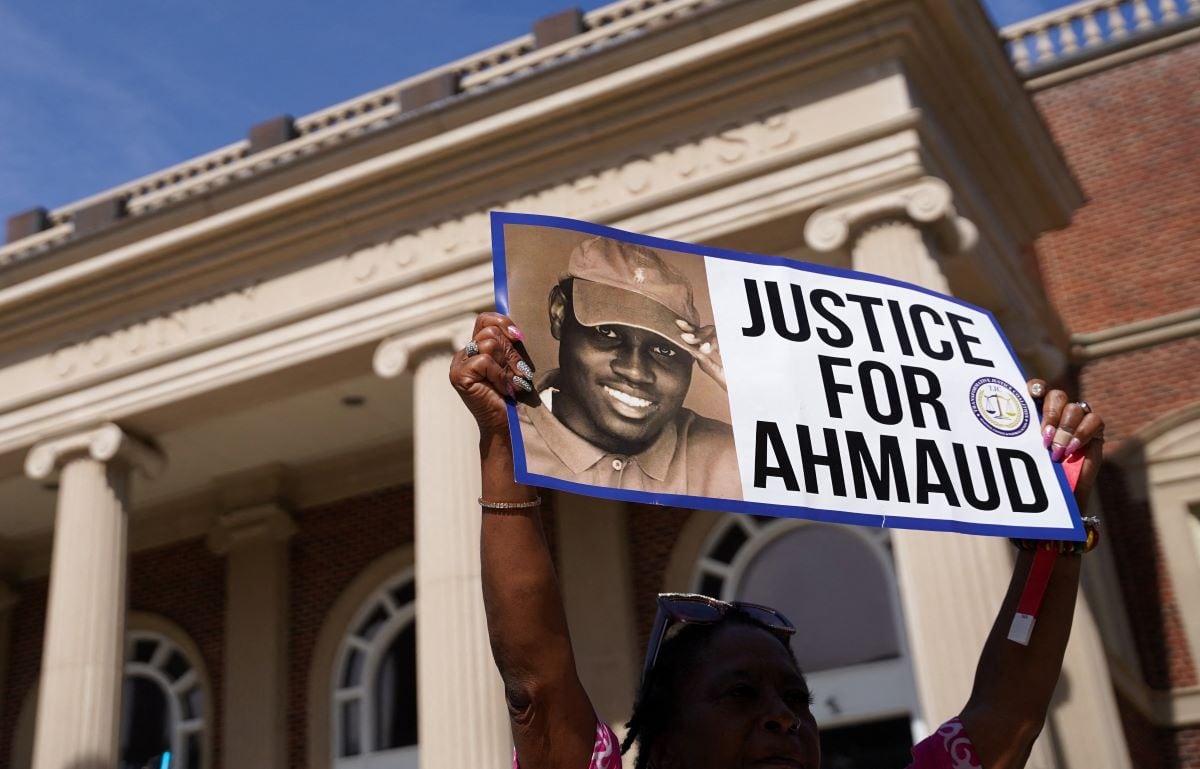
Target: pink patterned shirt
948	748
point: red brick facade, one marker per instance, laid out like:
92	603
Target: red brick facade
1130	134
334	543
183	582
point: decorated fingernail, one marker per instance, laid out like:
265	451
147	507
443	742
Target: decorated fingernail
1073	447
523	383
1048	435
689	338
683	324
1057	453
706	348
1036	390
515	333
523	367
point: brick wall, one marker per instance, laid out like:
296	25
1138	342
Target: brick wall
185	583
1130	135
25	658
334	543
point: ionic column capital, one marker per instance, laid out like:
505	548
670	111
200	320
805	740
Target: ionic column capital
402	352
105	443
928	202
260	523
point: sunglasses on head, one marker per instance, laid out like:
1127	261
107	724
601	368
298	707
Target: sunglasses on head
694	609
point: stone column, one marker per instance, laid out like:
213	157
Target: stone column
595	574
951	586
254	541
79	696
462	718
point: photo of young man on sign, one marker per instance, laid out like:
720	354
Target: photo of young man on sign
626	334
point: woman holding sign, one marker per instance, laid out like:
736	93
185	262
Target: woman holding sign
721	688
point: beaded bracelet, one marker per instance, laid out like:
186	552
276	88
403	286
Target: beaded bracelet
510	505
1065	547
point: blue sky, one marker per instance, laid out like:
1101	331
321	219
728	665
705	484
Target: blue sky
93	94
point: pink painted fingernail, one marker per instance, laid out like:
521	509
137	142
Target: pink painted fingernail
1073	447
1057	454
515	333
1048	435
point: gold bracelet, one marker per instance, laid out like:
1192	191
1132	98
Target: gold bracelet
510	505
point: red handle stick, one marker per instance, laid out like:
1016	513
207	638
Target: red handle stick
1039	574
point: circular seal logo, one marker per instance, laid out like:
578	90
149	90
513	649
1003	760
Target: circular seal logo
999	407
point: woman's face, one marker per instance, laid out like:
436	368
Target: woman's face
745	706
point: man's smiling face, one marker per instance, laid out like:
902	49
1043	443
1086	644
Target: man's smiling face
619	386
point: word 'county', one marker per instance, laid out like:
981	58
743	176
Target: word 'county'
914	324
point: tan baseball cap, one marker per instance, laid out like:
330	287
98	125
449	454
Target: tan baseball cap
624	284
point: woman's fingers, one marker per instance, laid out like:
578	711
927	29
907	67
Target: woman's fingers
501	322
1052	411
1070	428
1089	427
495	338
1067	426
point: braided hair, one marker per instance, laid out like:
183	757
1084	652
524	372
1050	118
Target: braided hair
655	707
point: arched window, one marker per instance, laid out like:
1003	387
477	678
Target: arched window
163	704
837	584
375	682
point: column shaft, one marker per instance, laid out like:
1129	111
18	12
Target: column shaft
256	624
82	660
463	721
951	586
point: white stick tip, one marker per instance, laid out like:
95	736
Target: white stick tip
1022	628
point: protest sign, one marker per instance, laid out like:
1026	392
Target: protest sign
692	376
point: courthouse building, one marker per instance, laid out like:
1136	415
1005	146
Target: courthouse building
237	495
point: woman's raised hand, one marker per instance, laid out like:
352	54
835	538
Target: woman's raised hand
1070	428
491	370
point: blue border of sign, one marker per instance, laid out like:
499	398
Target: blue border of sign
500	273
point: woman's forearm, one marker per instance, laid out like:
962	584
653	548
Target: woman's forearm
526	620
1014	683
553	721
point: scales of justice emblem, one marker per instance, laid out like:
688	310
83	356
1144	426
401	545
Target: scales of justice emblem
999	407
